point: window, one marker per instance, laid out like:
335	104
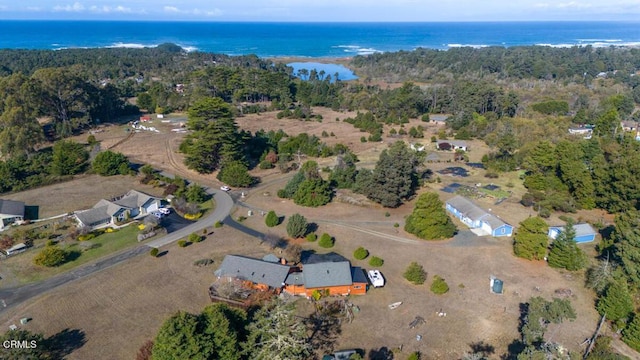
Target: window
357	287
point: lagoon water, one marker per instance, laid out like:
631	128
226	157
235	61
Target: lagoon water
313	40
342	72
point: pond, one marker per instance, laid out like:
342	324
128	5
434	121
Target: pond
344	73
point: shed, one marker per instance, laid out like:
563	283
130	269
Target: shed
584	232
496	286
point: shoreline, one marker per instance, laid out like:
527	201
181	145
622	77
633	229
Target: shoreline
305	59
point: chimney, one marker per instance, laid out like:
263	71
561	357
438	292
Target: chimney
283	261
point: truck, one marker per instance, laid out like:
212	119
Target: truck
376	278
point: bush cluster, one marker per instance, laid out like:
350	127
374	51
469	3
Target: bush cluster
361	253
326	241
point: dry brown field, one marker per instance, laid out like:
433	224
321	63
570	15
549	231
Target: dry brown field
121	307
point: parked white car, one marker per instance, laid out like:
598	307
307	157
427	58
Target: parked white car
164	211
225	188
376	278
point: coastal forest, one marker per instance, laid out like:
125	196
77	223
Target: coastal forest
521	101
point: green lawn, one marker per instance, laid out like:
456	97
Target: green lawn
25	271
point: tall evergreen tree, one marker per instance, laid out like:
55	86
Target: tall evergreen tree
276	333
530	241
616	302
394	177
626	236
631	334
182	337
429	220
564	252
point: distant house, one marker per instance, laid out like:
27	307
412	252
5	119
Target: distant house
145	118
438	119
476	218
260	274
132	205
584	232
583	131
10	212
629	125
452	145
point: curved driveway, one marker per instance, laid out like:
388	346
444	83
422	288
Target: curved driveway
14	296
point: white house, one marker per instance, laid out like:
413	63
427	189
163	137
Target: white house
10	212
452	145
132	205
476	218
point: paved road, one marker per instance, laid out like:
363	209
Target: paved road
14	296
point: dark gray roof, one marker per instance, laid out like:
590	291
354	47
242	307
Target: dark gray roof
326	274
295	278
134	199
108	207
313	258
10	207
438	117
254	270
271	258
474	212
93	216
358	275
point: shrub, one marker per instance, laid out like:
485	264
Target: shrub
266	164
376	261
491	175
414	356
218	224
51	256
272	219
439	286
415	274
326	241
154	252
361	253
297	226
242	218
195	216
203	262
194	238
395	225
182	243
311	237
387	214
363	139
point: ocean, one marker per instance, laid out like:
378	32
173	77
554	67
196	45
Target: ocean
312	40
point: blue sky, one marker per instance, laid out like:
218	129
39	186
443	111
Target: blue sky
322	10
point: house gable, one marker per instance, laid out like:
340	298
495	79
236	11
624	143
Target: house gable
475	217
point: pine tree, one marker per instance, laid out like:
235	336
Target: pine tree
626	236
616	302
530	241
429	220
297	226
631	334
277	334
565	253
272	219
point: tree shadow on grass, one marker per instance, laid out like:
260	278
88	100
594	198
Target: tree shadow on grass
65	342
73	255
162	253
381	354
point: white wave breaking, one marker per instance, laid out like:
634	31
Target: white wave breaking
358	50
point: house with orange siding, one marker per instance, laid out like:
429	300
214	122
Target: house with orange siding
327	278
328	275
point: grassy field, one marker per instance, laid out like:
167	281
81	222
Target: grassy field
24	271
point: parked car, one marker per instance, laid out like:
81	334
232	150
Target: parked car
341	355
225	188
157	214
164	211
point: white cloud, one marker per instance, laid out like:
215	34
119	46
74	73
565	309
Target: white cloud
34	8
107	9
196	11
76	7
